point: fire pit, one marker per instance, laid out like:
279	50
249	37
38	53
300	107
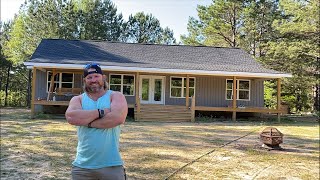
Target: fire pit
271	138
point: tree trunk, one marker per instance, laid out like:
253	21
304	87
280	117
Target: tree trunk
317	97
1	82
234	27
317	88
29	89
7	86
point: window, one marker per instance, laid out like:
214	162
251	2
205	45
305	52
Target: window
61	80
242	89
178	86
122	83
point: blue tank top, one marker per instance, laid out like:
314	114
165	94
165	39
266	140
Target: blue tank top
97	148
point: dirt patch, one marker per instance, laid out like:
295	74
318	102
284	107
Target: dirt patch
4	111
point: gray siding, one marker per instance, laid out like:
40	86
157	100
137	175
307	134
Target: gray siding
78	82
40	88
41	85
211	91
130	99
172	101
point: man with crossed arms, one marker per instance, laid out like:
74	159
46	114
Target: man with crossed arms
98	114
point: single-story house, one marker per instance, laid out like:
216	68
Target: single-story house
160	82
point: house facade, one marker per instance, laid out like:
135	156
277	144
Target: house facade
160	82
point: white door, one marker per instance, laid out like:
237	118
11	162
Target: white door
152	89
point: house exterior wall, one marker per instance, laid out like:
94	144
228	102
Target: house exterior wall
169	100
41	85
130	99
211	92
41	90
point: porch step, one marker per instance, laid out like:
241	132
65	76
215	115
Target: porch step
163	113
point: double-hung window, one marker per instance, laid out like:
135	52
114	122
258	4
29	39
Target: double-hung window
122	83
178	86
242	89
61	80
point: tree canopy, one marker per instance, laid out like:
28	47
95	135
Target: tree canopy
282	34
145	28
66	19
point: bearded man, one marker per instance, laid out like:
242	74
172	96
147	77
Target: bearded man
98	114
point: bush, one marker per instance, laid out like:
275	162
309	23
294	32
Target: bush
15	99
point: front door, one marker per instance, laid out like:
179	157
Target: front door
152	89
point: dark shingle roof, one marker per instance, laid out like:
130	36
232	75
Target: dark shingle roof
146	56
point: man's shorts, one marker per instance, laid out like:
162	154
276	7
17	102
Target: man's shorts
107	173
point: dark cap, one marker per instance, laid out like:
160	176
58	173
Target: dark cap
92	66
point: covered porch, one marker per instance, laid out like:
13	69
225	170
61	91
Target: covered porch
144	113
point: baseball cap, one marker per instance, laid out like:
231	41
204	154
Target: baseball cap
91	66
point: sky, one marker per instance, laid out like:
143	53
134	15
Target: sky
171	13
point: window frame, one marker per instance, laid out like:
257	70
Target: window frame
182	87
59	82
237	89
122	75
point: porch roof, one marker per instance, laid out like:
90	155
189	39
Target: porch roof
176	59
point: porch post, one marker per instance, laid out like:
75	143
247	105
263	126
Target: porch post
137	97
278	98
234	99
51	84
193	108
33	91
187	92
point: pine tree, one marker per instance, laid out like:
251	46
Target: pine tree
145	28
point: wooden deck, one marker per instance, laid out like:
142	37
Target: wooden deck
61	103
242	109
174	113
163	113
51	103
171	113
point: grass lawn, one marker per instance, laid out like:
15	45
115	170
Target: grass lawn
44	148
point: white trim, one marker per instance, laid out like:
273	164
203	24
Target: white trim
60	80
151	89
134	78
158	70
182	87
237	89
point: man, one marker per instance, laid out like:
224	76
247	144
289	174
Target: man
98	114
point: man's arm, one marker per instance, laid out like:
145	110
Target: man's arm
116	115
75	115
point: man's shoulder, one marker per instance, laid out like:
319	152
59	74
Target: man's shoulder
116	94
78	97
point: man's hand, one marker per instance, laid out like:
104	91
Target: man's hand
114	116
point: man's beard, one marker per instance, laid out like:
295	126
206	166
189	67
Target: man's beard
93	88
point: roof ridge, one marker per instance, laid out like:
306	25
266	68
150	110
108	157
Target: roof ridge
149	44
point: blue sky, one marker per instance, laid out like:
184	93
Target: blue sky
171	13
